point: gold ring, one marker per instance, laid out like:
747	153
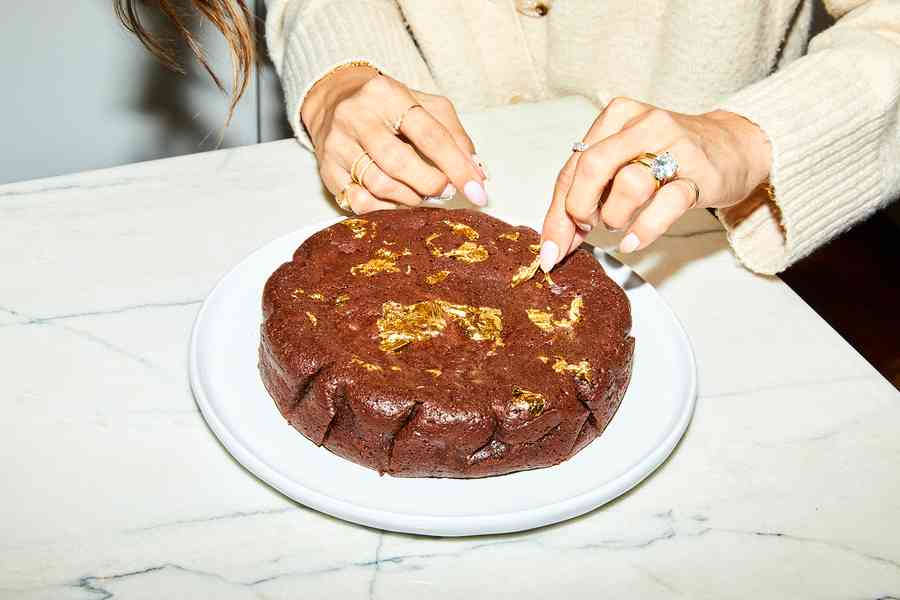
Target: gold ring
342	201
398	122
354	168
362	173
646	159
695	187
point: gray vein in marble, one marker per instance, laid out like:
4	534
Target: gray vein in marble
376	568
223	517
65	187
33	320
792	384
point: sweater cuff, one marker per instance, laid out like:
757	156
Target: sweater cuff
824	132
336	33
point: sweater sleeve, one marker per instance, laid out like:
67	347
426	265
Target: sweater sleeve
308	38
832	120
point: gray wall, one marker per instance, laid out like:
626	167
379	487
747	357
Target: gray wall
81	93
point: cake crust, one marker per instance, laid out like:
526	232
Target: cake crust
427	343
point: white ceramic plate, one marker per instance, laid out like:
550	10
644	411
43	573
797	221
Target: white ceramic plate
652	418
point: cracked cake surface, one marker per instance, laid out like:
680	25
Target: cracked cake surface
427	343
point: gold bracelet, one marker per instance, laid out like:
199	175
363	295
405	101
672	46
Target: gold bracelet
347	65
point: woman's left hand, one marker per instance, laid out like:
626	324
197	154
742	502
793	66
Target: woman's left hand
723	154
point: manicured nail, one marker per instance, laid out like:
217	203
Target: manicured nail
549	254
475	193
480	164
629	243
448	192
585	227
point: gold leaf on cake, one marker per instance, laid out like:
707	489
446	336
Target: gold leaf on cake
510	235
543	319
312	318
297	293
581	370
365	365
384	261
524	399
341	299
435	372
436	278
525	272
468	252
462	229
535	248
395	368
402	324
357	226
544	359
317	296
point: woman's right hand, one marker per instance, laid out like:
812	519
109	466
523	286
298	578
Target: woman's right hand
353	111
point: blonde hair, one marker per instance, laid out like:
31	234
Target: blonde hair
231	17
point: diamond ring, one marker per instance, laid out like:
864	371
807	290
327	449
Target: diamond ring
663	167
579	147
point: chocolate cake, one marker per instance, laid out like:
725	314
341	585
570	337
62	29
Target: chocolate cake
427	343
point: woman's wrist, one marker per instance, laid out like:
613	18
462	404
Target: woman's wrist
751	143
331	88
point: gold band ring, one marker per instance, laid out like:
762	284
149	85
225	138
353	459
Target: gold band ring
663	167
342	201
398	122
694	186
646	159
354	168
362	173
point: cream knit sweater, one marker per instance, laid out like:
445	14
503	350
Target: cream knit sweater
831	114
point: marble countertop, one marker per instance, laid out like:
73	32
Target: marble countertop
787	483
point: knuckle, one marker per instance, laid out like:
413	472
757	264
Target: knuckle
590	165
612	217
565	179
393	157
377	85
660	118
617	104
343	111
635	182
381	185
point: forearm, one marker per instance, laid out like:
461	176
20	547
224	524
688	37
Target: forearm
832	120
308	39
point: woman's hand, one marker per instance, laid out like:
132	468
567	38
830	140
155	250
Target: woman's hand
353	112
723	154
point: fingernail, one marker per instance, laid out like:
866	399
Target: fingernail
475	193
585	227
549	254
448	192
629	243
480	164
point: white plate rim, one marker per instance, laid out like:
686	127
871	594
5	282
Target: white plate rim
433	525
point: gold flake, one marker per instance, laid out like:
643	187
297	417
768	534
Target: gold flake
408	269
395	368
297	293
468	252
387	243
524	399
549	281
525	272
462	229
510	235
581	370
435	372
543	359
365	365
317	296
400	324
543	319
538	284
312	318
385	261
436	278
341	299
357	226
535	248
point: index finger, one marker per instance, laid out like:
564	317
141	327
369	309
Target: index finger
434	141
559	233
